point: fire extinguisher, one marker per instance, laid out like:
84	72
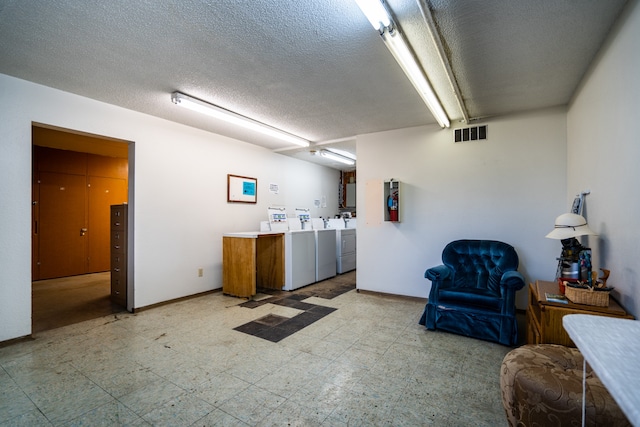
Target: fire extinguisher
392	205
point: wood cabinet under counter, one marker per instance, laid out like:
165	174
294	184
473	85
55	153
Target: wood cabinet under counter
252	260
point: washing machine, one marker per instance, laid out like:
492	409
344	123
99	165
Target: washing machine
299	249
326	260
345	244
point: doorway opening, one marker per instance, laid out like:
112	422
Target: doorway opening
77	177
69	300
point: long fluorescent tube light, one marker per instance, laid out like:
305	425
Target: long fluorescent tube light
375	13
380	19
337	157
211	110
342	153
398	47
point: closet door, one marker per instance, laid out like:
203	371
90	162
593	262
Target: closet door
62	227
72	195
103	192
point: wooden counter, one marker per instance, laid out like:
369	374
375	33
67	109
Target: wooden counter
252	260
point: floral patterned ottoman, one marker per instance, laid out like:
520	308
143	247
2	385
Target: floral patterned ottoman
542	386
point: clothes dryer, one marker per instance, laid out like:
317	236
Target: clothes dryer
326	260
345	245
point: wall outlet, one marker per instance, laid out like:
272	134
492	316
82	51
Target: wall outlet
200	272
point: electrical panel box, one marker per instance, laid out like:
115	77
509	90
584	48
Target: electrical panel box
392	201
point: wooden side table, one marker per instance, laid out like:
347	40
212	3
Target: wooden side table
252	260
544	318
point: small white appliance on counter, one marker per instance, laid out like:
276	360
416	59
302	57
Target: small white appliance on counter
299	249
345	243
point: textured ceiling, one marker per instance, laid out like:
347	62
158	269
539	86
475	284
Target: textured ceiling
509	56
312	68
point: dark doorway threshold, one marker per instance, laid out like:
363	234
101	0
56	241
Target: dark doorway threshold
69	300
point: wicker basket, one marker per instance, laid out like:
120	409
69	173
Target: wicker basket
587	296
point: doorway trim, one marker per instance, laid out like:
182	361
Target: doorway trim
109	146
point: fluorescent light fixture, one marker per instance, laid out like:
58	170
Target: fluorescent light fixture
342	153
337	157
380	19
376	13
211	110
398	47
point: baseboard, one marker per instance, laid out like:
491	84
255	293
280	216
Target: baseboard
385	294
171	301
16	340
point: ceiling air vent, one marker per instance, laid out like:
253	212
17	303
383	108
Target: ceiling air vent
473	133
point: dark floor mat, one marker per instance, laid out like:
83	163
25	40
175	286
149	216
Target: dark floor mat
327	289
275	328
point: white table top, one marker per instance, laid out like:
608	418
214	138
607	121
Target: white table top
251	234
612	347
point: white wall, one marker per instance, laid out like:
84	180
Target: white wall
509	187
180	194
604	155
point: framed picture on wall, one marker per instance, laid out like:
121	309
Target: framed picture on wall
242	189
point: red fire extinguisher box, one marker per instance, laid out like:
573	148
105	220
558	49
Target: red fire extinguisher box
392	201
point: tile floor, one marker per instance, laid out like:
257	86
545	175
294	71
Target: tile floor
365	363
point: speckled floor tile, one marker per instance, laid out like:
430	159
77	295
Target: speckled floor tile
218	418
183	410
252	404
294	415
32	418
407	415
13	401
343	374
319	398
151	396
220	388
61	393
316	346
121	378
361	406
285	381
110	414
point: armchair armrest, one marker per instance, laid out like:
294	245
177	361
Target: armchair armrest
437	273
510	283
439	277
512	280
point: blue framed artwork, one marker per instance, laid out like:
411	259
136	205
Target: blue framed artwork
242	189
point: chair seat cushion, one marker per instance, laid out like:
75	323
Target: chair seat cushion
474	297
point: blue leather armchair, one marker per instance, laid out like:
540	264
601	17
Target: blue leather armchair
473	293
